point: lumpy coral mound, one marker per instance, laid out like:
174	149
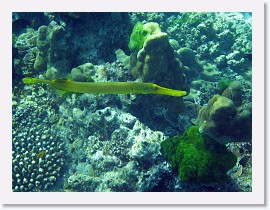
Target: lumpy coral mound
226	118
197	158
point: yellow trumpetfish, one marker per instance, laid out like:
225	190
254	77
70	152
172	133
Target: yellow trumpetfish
107	87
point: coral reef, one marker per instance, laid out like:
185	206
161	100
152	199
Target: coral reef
38	153
156	62
121	146
55	43
53	48
43	49
25	45
123	58
197	158
241	174
113	143
210	72
212	35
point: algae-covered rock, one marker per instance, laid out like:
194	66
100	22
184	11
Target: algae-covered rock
43	45
187	56
157	62
197	158
52	48
152	28
223	84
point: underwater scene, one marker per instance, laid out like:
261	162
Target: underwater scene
132	102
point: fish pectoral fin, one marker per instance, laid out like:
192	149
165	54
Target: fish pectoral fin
60	93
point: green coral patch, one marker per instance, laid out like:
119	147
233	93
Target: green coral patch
197	158
223	84
137	37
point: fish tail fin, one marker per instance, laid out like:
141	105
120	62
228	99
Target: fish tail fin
31	80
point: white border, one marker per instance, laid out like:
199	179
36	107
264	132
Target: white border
254	197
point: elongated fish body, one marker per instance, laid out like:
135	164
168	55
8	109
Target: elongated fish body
107	87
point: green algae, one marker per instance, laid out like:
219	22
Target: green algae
197	158
137	37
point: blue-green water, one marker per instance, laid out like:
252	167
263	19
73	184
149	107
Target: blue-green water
65	141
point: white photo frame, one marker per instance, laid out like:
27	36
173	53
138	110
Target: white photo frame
257	196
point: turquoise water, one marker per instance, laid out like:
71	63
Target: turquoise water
66	141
